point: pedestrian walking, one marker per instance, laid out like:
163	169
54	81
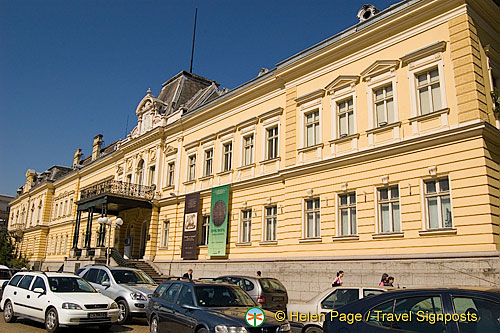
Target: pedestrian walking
383	280
390	281
338	280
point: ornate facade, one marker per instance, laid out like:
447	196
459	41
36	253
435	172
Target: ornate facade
375	150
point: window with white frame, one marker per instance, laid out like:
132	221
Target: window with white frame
205	225
270	226
384	105
428	91
246	226
313	218
438	203
151	176
191	167
227	156
170	174
347	213
388	209
209	159
248	144
272	142
164	238
312	128
345	116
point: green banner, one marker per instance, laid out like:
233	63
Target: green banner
217	238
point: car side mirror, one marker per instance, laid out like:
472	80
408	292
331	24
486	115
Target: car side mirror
40	291
105	284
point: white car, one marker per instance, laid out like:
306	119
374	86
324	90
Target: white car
325	302
57	299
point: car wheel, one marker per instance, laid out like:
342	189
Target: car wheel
313	329
105	327
124	312
202	330
8	313
153	326
51	321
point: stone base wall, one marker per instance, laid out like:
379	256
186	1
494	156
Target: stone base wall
306	278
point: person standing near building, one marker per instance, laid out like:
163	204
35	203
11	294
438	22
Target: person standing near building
338	280
259	274
390	282
188	275
383	280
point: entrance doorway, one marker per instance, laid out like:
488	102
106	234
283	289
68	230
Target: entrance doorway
144	235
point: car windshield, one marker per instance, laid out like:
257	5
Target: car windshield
222	296
4	274
131	276
68	284
272	285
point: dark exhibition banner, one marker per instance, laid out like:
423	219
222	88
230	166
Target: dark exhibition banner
189	239
217	237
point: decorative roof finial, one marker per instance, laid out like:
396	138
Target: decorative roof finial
149	91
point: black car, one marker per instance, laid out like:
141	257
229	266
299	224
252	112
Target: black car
435	310
181	306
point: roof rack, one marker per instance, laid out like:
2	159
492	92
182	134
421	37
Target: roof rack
177	278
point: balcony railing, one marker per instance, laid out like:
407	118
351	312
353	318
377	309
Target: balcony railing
117	187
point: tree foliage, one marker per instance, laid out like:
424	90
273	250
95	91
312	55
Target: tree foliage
9	255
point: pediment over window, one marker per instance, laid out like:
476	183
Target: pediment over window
169	150
378	67
342	81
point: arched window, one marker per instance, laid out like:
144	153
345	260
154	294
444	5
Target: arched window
39	211
32	214
140	172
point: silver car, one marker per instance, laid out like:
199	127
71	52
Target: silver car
130	288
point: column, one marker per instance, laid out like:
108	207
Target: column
88	234
152	243
77	229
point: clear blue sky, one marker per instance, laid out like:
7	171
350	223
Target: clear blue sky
71	69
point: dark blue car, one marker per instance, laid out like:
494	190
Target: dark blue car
182	306
435	310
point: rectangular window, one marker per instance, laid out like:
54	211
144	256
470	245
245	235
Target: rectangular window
272	143
429	91
170	173
270	226
345	116
347	213
313	222
191	167
205	225
384	105
227	156
166	226
248	150
246	226
209	158
388	206
151	176
438	204
312	128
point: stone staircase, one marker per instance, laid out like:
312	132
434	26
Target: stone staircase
149	270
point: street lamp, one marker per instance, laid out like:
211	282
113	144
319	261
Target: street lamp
105	221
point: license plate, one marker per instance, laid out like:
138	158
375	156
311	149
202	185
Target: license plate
94	315
278	299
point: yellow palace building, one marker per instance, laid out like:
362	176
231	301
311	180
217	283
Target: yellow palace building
376	150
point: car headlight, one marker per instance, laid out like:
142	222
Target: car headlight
71	306
113	305
138	297
285	327
229	329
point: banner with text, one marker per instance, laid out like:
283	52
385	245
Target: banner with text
217	237
189	239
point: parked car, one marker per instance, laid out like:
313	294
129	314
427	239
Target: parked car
270	293
5	275
326	301
57	299
130	288
204	306
432	310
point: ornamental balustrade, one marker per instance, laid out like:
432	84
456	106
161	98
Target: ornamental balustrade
117	187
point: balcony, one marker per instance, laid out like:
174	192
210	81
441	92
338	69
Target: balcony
16	229
114	187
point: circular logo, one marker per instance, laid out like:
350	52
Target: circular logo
255	317
219	213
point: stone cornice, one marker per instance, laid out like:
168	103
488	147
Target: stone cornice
423	52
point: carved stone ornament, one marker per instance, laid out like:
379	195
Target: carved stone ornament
129	164
119	169
152	155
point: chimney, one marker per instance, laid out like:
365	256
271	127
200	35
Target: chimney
77	157
96	147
